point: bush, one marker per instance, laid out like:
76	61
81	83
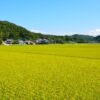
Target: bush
15	42
0	41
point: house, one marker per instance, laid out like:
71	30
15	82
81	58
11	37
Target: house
21	42
29	42
9	41
42	41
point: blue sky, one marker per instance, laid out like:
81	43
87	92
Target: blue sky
59	17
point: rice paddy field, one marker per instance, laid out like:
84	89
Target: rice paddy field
50	72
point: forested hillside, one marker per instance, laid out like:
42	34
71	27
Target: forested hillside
10	30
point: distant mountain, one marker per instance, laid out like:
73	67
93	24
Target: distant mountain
82	38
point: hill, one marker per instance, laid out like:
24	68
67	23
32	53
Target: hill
10	30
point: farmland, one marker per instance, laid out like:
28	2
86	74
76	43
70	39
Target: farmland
50	72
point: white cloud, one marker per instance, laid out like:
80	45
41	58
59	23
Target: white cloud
35	30
39	31
94	32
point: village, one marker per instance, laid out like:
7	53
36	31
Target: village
25	42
